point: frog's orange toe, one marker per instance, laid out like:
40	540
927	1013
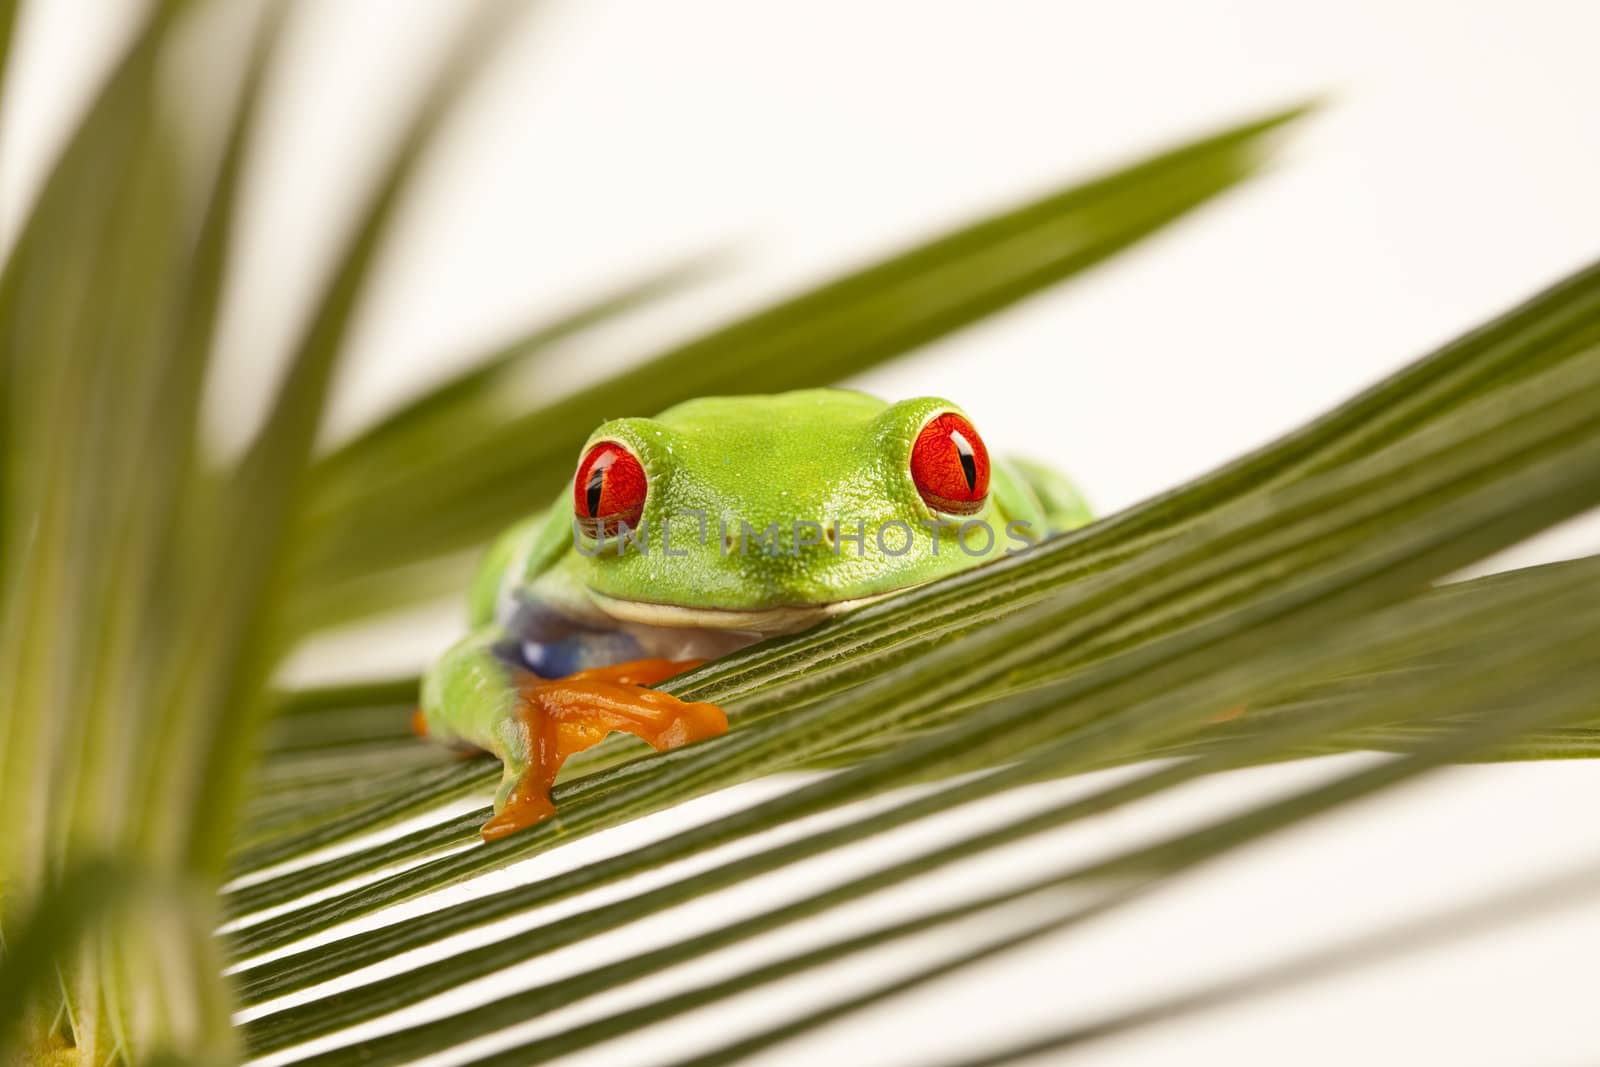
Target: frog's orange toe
564	716
519	813
695	723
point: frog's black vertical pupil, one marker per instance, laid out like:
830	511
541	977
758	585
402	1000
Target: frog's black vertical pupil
969	465
597	482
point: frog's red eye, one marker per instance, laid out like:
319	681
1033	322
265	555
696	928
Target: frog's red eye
950	465
608	491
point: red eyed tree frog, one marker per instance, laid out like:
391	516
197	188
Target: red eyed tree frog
715	524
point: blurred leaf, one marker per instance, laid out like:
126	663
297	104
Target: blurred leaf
460	405
134	630
9	10
438	421
91	300
73	906
377	519
265	489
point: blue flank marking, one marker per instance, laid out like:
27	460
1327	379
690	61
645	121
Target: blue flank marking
580	652
553	646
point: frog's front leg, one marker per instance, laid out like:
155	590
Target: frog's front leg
479	696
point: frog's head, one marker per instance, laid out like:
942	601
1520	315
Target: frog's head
769	512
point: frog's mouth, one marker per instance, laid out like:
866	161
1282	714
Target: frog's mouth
767	622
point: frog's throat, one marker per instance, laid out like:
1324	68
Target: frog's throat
765	621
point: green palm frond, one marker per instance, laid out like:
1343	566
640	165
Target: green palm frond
1121	657
155	789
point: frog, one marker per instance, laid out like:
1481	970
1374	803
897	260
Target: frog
719	522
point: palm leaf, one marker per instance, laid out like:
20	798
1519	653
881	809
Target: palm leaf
109	543
1301	580
1331	547
372	518
81	540
436	422
8	29
836	656
1162	859
62	917
265	489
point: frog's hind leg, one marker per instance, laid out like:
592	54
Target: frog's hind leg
1061	506
559	717
460	750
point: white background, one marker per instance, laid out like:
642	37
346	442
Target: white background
1453	171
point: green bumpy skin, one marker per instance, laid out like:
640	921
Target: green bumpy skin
718	560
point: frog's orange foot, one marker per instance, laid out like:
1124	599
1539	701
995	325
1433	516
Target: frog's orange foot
567	715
